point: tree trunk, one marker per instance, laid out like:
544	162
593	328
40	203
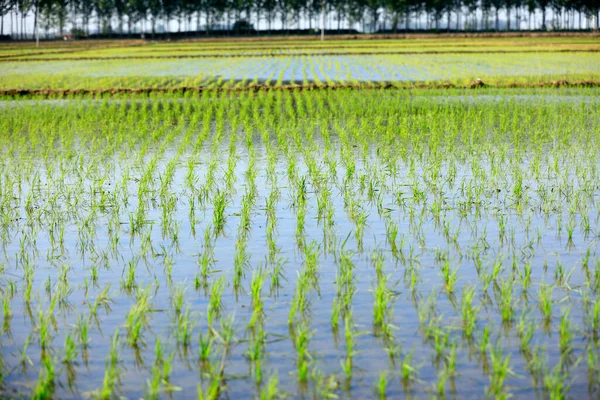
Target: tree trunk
483	20
257	20
457	20
543	18
36	28
497	21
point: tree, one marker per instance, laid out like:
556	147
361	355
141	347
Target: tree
542	5
5	8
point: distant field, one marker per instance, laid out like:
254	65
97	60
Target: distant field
135	64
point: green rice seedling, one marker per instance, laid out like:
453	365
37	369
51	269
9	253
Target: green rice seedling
28	289
451	361
564	331
469	313
212	391
177	299
46	383
255	354
153	385
408	372
449	275
350	335
70	350
300	301
128	283
594	318
137	319
484	341
258	279
271	390
241	260
7	313
383	297
112	372
545	302
345	287
311	261
442	378
526	276
324	386
215	304
205	261
276	274
25	360
102	299
382	385
184	326
556	383
507	303
301	338
158	352
392	234
44	330
360	221
500	371
219	217
441	340
526	329
205	346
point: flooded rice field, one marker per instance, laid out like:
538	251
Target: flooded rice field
274	71
357	244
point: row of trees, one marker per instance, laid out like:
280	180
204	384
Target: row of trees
131	16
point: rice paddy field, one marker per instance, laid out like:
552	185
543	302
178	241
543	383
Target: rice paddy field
252	240
243	64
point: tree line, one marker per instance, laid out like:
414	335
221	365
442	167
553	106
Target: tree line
135	16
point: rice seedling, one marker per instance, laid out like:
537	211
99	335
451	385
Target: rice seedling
45	387
112	374
301	338
70	350
184	326
556	383
545	301
500	371
382	385
205	347
383	297
215	305
271	389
